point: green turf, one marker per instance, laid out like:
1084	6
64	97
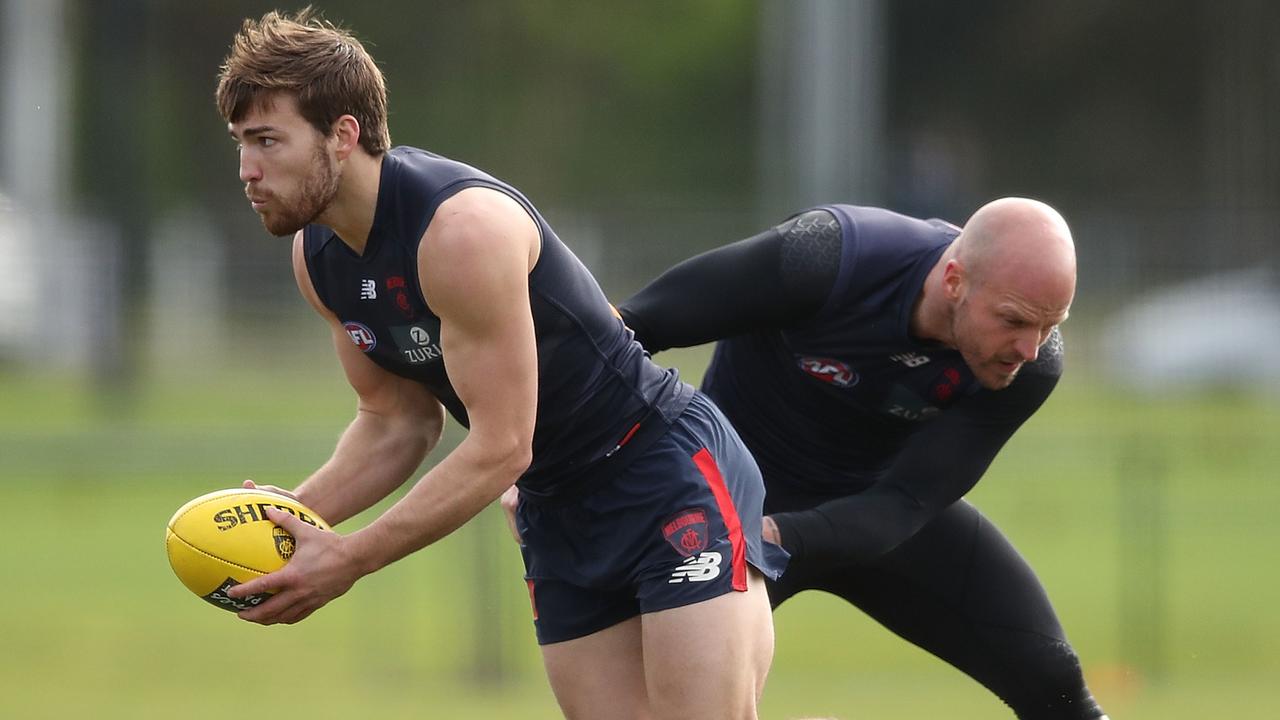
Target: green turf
1151	523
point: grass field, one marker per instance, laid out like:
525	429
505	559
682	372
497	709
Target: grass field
1152	523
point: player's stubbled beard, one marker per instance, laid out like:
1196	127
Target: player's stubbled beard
318	190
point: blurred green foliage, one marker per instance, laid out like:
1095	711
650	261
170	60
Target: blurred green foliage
658	103
590	103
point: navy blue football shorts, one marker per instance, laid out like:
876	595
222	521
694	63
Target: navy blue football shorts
677	525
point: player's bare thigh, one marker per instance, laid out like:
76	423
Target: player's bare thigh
600	675
709	660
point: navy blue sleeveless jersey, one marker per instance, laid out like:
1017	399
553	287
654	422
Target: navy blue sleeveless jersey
596	385
827	404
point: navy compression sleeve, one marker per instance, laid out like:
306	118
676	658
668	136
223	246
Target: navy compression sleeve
768	281
936	467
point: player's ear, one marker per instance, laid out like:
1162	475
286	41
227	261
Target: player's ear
346	133
954	279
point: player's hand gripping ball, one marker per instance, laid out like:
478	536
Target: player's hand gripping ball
224	538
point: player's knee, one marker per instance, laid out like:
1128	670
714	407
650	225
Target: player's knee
1053	687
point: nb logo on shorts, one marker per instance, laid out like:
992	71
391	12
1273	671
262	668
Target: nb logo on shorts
699	568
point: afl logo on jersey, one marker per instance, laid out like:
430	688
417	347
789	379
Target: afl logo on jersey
832	372
361	335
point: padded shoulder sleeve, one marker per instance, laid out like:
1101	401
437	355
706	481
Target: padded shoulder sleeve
768	281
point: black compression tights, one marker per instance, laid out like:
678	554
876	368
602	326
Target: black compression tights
959	590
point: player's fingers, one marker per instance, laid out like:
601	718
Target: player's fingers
286	607
271	610
251	485
257	615
290	522
769	529
269	583
297	613
510	499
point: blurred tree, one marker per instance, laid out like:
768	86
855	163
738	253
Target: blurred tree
1062	101
593	103
112	145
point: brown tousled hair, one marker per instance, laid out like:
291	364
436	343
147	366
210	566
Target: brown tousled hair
322	65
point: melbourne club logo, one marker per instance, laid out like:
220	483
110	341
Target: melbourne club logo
947	385
832	372
397	284
699	568
686	531
361	335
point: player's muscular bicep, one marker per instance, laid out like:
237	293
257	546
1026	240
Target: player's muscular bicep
474	264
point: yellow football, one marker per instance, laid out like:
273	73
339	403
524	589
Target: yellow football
224	538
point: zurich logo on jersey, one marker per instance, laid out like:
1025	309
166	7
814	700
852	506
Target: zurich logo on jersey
828	370
361	335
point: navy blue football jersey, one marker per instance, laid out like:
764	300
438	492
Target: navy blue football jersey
595	383
827	404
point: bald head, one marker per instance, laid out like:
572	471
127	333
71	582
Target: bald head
1001	287
1018	239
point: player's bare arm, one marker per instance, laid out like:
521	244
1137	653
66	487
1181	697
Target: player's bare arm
397	424
474	263
475	258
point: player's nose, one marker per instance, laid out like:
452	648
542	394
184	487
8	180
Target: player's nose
1028	347
249	170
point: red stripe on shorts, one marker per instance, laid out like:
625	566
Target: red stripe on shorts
707	466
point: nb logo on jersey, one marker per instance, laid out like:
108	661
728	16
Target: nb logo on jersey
910	359
368	290
699	568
